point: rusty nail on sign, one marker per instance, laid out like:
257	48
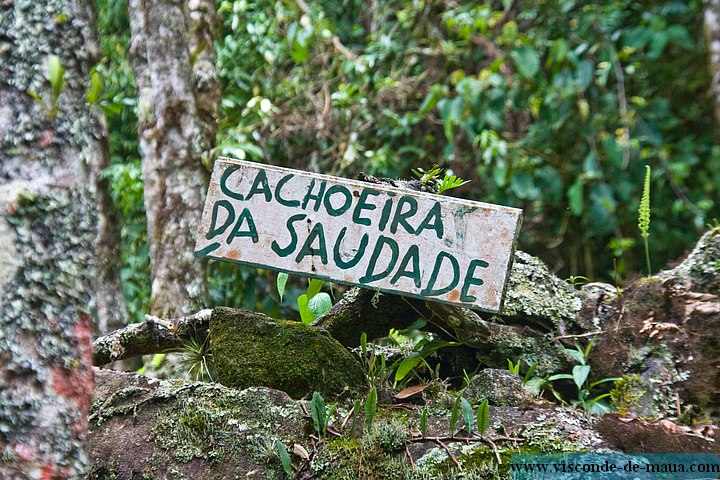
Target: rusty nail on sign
399	241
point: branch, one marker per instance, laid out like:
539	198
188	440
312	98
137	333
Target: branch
154	335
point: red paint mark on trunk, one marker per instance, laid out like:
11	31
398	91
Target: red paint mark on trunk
54	472
76	384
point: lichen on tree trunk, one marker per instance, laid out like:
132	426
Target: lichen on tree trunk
171	144
50	154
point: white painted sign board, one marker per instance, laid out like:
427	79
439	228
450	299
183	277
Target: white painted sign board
375	236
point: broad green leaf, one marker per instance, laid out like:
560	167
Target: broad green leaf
604	380
534	385
423	422
599	407
363	343
284	457
370	408
585	72
580	374
305	314
483	417
417	324
576	355
314	287
406	365
560	376
96	88
527	61
56	74
575	196
356	415
319	304
468	415
282	279
529	373
317	412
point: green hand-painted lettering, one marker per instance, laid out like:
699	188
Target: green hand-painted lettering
260	185
430	290
317	232
401	217
414	255
370	275
358	256
251	231
363	205
215	230
278	188
285	251
437	225
223	182
336	212
310	196
471	280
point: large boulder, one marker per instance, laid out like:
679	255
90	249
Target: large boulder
250	349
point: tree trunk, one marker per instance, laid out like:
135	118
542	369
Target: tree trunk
712	33
52	278
171	143
112	311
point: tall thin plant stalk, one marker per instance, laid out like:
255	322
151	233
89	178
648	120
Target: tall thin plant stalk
644	216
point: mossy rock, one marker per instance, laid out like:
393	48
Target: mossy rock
702	266
498	387
251	349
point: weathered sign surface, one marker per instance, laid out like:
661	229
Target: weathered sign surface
385	238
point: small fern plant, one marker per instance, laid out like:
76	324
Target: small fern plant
644	216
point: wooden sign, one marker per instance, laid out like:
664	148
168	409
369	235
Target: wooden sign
375	236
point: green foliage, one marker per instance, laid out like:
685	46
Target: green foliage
356	415
95	90
424	422
553	108
321	414
311	304
126	191
375	366
284	458
644	216
388	435
431	178
196	359
370	408
626	393
282	279
454	415
423	349
580	373
483	417
530	382
468	415
56	78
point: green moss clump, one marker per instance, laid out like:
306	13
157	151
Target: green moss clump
250	349
388	436
626	394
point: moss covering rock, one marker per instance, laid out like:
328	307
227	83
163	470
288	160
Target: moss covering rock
250	349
